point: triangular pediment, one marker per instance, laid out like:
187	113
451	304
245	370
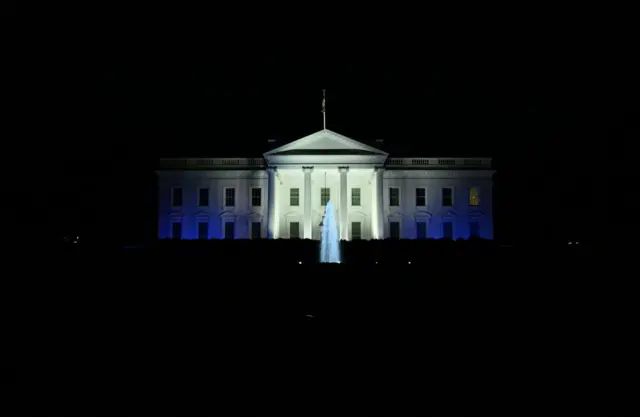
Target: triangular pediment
325	142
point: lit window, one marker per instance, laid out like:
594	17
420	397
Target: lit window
474	197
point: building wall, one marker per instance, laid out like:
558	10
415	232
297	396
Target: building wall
216	213
434	213
243	213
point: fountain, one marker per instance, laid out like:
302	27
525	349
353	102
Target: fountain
329	243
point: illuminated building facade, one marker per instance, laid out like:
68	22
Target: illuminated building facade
283	194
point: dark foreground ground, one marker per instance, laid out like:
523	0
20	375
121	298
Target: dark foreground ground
115	333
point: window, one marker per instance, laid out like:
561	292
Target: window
176	230
474	197
474	229
294	230
422	230
355	196
447	230
203	230
325	194
255	230
176	197
421	197
356	232
229	197
256	197
229	230
394	230
447	197
294	196
203	197
394	196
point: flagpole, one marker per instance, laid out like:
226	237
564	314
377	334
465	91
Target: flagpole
324	110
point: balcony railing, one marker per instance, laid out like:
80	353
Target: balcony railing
259	163
211	163
435	163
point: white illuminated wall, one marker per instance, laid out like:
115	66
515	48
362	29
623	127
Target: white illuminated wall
294	178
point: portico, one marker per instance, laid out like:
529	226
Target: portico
319	167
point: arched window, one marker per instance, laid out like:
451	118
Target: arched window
474	197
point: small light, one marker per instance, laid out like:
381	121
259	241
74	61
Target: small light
570	243
577	243
299	262
409	262
376	262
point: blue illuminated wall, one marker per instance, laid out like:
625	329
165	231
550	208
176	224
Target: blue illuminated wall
216	213
434	213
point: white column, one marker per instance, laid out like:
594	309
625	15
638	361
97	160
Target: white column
375	233
378	209
271	201
243	203
344	224
307	201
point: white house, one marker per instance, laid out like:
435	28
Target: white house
283	194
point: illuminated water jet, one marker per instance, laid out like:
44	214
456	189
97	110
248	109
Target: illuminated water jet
329	243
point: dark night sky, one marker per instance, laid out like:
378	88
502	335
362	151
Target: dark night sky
545	104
